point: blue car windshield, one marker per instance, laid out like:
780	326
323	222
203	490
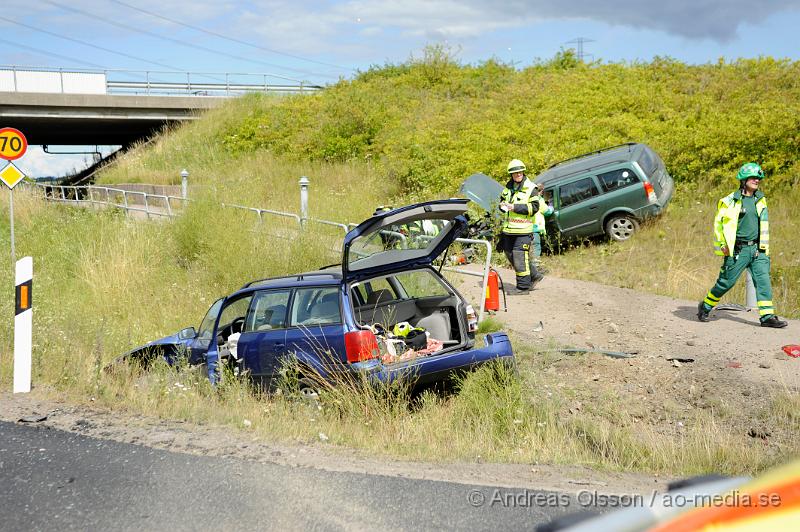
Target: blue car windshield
207	326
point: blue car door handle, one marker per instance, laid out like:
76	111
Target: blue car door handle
280	344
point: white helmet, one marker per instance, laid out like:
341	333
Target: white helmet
515	166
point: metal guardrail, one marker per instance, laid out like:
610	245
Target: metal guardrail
80	194
150	82
486	267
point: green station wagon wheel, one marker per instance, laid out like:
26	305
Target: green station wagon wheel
620	227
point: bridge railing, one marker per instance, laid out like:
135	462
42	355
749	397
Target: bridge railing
14	78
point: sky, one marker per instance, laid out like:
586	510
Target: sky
319	42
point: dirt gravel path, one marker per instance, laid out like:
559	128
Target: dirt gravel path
730	365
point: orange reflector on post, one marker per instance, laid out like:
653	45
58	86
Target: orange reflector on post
23	299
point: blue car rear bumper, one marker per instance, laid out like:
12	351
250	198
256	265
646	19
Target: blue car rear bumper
435	368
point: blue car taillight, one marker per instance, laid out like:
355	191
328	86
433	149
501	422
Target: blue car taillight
361	346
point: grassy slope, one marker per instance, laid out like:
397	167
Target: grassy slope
416	130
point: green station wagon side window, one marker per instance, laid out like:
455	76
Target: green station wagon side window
617	179
577	191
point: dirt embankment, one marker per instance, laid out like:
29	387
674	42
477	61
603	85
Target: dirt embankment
730	365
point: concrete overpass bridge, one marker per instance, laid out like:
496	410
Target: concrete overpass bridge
87	119
115	107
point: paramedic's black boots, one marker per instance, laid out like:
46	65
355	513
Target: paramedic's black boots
775	322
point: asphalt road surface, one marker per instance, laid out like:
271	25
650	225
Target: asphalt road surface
56	480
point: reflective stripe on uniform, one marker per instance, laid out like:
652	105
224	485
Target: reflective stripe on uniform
711	300
765	308
527	270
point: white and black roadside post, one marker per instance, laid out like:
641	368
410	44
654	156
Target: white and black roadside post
23	325
304	182
184	184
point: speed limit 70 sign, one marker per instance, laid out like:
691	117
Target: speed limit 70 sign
13	144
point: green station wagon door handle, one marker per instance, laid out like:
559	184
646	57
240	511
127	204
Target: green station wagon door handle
591	208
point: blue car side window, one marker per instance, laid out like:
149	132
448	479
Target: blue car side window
267	311
316	306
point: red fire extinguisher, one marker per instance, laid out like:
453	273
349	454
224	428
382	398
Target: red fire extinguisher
492	302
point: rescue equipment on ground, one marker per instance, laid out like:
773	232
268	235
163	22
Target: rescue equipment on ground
494	283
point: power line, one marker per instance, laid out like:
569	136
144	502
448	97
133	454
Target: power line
84	43
51	54
227	38
183	43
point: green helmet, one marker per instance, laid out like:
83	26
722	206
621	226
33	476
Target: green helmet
749	170
516	166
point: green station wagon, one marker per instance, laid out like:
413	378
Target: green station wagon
609	191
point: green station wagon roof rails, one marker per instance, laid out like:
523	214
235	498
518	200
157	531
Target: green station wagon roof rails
628	144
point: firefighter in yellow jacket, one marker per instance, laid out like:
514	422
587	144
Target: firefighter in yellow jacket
518	207
741	233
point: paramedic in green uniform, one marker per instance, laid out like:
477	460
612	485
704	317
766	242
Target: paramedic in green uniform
741	232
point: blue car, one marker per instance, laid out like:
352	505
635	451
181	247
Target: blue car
340	319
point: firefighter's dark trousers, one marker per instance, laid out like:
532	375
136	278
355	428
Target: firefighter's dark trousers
518	252
732	268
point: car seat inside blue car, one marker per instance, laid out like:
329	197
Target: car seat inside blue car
277	318
324	310
380	296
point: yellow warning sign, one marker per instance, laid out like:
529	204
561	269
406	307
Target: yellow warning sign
11	175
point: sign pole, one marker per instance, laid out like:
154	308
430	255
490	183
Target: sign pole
11	215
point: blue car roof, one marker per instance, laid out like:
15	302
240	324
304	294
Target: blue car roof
331	276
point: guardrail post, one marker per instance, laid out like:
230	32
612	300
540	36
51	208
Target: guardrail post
125	200
146	206
184	184
304	182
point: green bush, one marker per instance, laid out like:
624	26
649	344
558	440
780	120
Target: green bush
430	122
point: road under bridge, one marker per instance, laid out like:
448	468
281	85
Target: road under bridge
101	119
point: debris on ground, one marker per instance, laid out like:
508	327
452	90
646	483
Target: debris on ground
35	418
792	350
612	354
